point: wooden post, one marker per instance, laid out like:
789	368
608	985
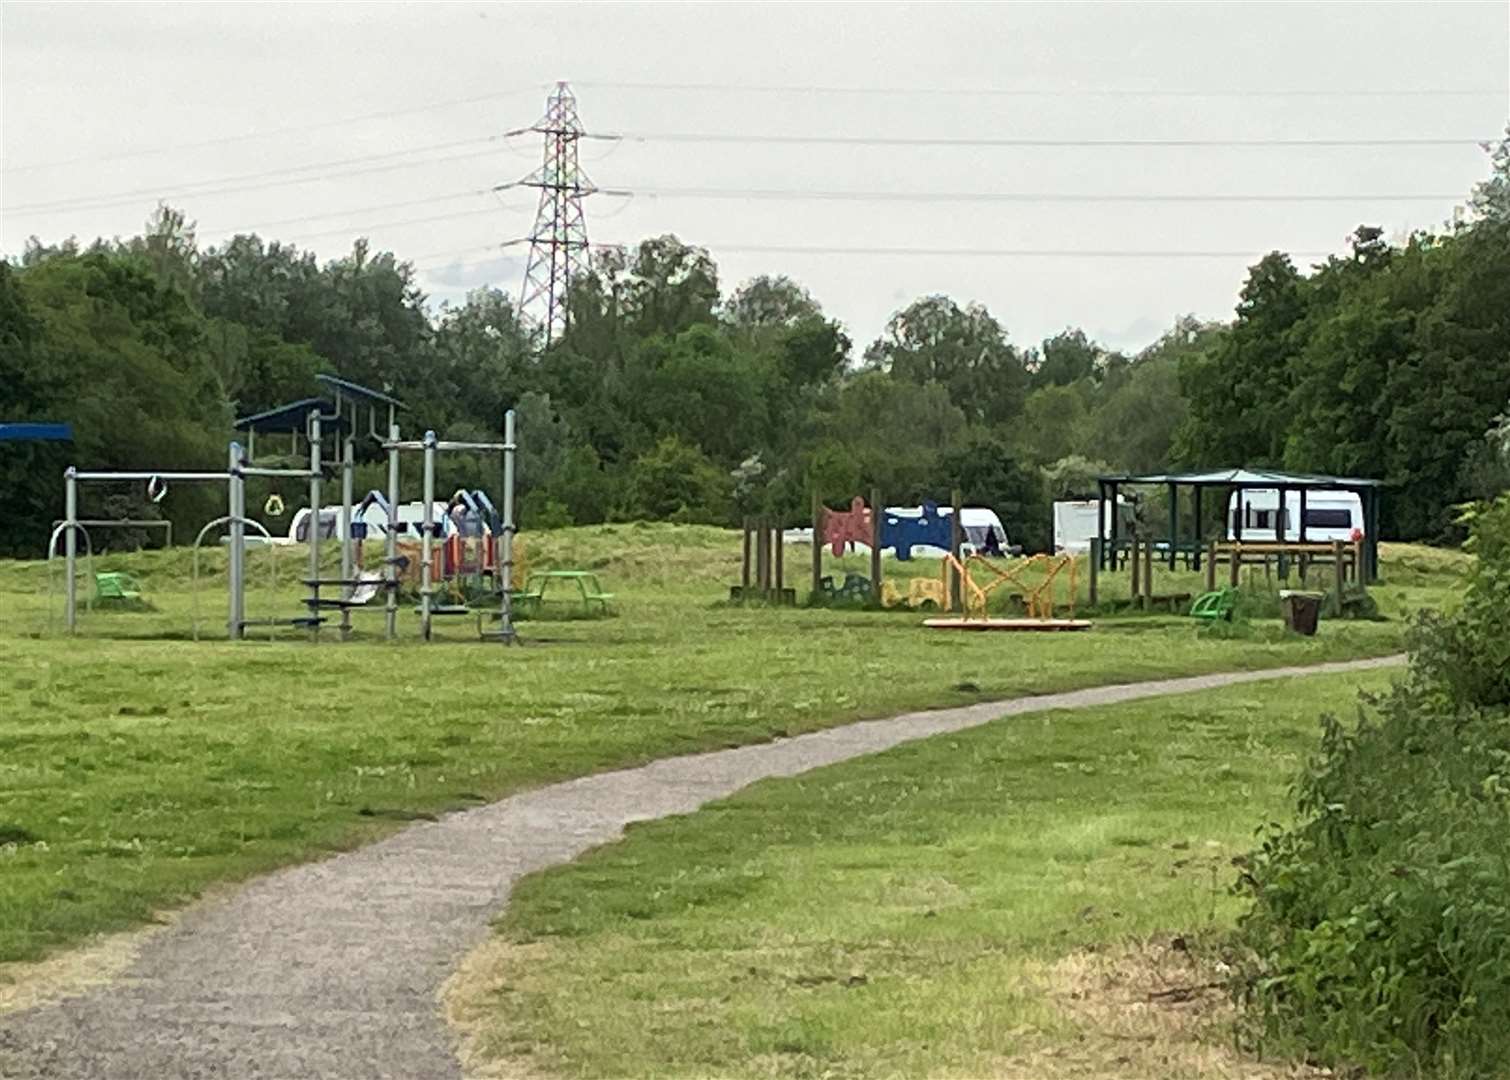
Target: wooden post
876	513
1095	567
956	539
1135	565
817	543
762	557
1235	554
744	570
1148	575
776	539
1211	566
1339	574
765	534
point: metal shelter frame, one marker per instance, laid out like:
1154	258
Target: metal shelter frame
1232	481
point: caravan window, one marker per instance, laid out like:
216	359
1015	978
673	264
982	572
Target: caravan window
1256	520
1328	519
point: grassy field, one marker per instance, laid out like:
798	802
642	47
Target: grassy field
137	768
1019	900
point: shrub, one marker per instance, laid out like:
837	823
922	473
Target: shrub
1379	933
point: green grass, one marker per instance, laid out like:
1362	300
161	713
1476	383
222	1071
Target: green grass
900	915
137	768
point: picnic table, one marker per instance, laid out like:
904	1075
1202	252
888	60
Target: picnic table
588	589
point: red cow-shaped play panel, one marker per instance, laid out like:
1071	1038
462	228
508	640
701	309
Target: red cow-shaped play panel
841	527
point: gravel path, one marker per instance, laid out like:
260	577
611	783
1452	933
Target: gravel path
332	969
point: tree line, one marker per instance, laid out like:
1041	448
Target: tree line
670	396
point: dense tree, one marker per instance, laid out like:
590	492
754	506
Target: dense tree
770	303
674	481
1239	388
987	474
964	350
1065	358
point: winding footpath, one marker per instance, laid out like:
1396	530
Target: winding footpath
333	969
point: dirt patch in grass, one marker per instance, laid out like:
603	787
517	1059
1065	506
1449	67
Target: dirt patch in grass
1154	1010
71	973
472	994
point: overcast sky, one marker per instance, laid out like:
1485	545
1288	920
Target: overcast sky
108	107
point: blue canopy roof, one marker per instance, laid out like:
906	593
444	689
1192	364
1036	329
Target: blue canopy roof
291	417
36	432
361	393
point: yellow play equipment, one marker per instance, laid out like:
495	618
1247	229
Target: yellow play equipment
921	592
1037	596
1033	577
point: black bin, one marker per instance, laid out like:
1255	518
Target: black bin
1302	610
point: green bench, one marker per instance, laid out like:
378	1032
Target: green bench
589	590
116	586
1214	606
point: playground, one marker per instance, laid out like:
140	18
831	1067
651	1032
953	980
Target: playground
143	769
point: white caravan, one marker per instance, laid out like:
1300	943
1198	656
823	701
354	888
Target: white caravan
1075	524
1330	515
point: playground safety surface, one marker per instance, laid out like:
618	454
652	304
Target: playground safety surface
333	969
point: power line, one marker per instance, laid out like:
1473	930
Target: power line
268	178
390	225
712	193
1025	196
929	252
888	140
1051	92
247	136
374	209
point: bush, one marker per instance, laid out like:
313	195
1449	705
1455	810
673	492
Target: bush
1379	935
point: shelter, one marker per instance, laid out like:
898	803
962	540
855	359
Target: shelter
36	432
1229	482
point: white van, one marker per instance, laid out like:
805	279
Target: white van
1330	515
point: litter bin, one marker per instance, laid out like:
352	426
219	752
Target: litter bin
1301	610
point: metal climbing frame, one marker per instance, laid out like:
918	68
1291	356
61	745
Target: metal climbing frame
430	446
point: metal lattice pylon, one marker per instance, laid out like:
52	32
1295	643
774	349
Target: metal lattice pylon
558	242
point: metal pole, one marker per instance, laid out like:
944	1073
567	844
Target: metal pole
70	546
1099	549
817	544
427	540
314	523
506	555
390	544
236	508
348	472
877	517
1174	522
